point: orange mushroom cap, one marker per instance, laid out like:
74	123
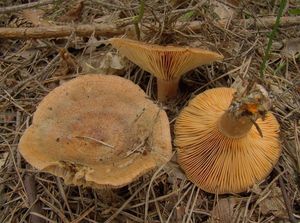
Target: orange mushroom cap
99	131
218	163
164	62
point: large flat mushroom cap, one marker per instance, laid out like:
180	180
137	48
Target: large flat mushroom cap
99	131
215	162
164	62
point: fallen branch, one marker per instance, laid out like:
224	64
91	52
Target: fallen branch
16	8
109	30
61	31
269	22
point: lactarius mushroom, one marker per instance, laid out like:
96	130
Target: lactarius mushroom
227	142
99	131
166	63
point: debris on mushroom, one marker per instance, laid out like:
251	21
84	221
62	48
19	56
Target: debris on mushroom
99	131
227	141
166	63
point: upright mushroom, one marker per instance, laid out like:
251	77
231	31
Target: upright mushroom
166	63
220	146
97	130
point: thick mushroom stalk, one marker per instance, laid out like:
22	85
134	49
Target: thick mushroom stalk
244	110
166	63
220	143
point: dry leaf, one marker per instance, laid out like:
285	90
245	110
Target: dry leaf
291	48
17	21
174	172
274	204
73	13
112	64
224	12
35	16
224	211
238	82
108	18
92	44
68	64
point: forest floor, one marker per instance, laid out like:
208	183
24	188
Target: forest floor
33	63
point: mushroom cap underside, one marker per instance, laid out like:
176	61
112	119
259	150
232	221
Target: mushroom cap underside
214	162
97	130
164	62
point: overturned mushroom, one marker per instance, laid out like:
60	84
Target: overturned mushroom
227	142
97	130
166	63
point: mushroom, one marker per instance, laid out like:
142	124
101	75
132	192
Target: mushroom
97	130
166	63
219	140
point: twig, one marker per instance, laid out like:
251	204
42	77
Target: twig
64	197
96	140
14	163
286	200
114	6
269	21
125	204
16	8
128	201
110	30
193	206
30	186
61	31
148	191
84	214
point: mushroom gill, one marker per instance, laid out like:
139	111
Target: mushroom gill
166	63
222	153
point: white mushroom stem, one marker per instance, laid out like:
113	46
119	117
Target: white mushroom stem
167	89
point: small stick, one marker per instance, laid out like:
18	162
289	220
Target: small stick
61	31
286	200
16	8
96	140
269	21
110	30
30	186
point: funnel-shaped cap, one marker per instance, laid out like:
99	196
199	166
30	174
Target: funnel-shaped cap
164	62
